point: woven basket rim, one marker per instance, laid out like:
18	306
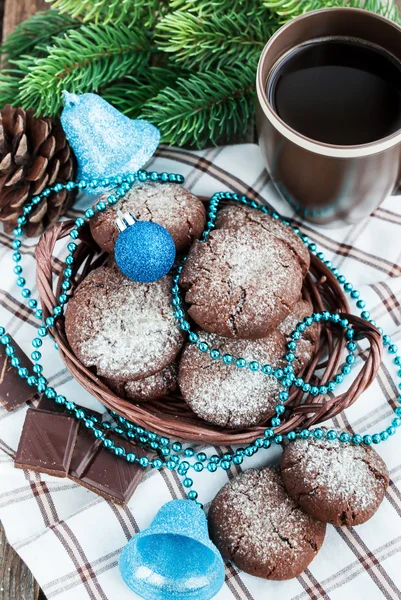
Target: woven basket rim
171	416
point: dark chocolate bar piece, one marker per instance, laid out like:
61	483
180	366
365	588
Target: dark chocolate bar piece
49	405
86	447
14	391
47	442
104	473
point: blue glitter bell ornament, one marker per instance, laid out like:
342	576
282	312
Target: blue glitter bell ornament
105	142
174	558
144	251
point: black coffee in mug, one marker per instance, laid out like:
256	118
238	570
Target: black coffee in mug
338	90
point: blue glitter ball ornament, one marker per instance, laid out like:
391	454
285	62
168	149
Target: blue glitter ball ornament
174	558
144	251
105	142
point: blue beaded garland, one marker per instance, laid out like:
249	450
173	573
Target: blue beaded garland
284	375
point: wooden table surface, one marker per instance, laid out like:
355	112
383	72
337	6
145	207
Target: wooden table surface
16	581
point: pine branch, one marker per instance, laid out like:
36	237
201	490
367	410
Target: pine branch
288	9
214	6
81	61
204	108
131	94
31	36
128	12
28	41
204	96
11	77
214	40
9	86
10	80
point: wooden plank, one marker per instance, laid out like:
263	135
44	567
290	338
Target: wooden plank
16	581
1	18
16	11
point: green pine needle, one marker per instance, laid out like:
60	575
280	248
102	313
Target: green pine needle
31	36
114	12
288	9
11	77
9	85
204	108
214	40
130	94
28	41
82	61
203	8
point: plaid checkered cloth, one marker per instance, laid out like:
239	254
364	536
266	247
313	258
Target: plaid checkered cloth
71	539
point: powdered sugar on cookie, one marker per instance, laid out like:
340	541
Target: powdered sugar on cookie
338	483
241	283
256	524
125	329
168	204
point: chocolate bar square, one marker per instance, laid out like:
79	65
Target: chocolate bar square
86	447
47	442
111	477
49	405
14	391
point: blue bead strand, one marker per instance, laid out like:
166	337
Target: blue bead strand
172	454
253	364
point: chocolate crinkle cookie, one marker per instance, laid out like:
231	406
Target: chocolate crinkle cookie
168	204
255	524
307	344
150	388
226	395
243	281
233	397
126	330
238	215
334	482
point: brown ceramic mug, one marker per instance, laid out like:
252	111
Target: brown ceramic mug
326	183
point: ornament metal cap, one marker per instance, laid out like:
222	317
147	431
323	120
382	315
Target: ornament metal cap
174	558
124	220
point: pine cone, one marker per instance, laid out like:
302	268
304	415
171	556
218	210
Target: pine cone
34	153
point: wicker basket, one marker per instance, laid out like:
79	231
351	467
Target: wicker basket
171	416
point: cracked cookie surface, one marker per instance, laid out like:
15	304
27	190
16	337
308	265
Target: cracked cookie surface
231	397
338	483
168	204
241	283
125	329
238	215
255	523
150	388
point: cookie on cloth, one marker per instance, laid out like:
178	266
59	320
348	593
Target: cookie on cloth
233	397
125	329
150	388
335	482
255	524
234	216
168	204
241	283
